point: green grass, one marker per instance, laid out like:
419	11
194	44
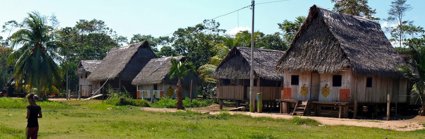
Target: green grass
95	119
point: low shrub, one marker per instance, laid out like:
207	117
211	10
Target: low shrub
167	102
122	99
197	102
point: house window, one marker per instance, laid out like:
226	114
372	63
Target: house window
295	80
337	80
369	82
155	87
225	82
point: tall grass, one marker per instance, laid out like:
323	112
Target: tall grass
19	103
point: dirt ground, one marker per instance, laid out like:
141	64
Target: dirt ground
416	123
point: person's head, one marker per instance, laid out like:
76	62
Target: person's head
31	98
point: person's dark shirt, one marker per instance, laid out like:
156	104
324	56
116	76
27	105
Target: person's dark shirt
33	115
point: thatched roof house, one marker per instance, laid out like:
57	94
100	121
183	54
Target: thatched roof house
342	59
121	65
88	66
155	71
233	74
85	68
154	77
329	42
236	64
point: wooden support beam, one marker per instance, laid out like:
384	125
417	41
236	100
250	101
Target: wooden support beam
388	105
221	104
355	96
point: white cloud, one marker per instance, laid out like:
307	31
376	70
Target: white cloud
234	31
387	24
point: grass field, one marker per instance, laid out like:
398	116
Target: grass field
94	119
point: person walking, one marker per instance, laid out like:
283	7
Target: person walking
33	113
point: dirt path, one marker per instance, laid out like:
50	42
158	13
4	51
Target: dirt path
398	125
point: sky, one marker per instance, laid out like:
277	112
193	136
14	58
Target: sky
163	17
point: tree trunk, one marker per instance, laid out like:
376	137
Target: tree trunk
179	95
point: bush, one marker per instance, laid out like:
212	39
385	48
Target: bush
166	102
197	102
122	99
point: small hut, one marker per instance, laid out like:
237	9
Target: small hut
121	65
154	81
85	68
233	75
337	61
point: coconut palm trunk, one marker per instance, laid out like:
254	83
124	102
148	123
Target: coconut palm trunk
179	95
179	70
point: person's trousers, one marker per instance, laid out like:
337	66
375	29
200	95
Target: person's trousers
32	132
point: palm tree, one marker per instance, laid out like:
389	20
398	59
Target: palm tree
416	72
179	70
419	86
35	65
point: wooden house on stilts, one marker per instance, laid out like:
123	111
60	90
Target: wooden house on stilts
154	80
338	62
85	87
233	75
121	65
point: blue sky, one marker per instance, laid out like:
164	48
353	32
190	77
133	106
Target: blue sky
163	17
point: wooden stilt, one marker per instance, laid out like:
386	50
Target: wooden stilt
388	106
221	104
355	97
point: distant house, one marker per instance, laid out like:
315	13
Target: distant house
233	75
85	68
339	60
154	80
121	65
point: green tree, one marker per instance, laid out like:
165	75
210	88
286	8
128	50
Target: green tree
290	28
35	66
87	40
140	38
5	68
167	51
417	52
196	43
273	41
354	7
243	39
396	14
206	71
179	70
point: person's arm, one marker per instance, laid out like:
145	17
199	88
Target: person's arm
40	115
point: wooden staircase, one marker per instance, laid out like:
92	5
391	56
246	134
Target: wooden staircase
300	108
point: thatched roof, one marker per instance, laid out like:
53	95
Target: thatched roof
329	42
155	71
236	65
87	66
116	60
